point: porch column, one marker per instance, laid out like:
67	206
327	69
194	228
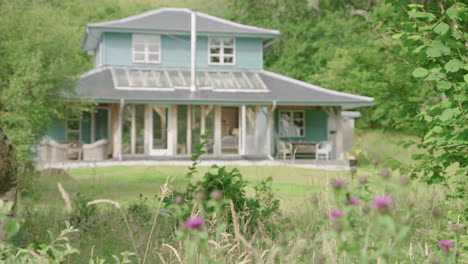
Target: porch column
148	129
174	130
243	130
270	132
133	131
339	135
122	103
217	131
189	129
115	110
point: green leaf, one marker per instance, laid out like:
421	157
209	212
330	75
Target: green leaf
465	77
420	72
418	14
453	65
452	12
434	52
446	115
397	36
441	28
444	85
437	129
12	227
418	49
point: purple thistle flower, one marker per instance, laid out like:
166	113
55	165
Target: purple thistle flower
354	201
445	244
382	201
336	214
194	222
338	183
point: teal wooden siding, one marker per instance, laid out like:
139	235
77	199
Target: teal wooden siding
101	127
56	131
315	126
175	52
86	128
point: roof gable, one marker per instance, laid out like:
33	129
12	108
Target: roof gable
173	20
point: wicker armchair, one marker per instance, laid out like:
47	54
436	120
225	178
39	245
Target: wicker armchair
52	151
96	150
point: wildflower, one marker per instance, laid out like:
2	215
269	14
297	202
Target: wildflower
437	212
314	199
303	250
382	203
353	170
375	162
282	241
290	226
405	180
216	195
366	209
410	204
354	201
336	214
179	200
200	196
445	245
385	173
363	180
194	223
338	183
320	259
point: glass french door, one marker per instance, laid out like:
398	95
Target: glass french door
159	130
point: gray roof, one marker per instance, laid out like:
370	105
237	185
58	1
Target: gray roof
281	90
172	20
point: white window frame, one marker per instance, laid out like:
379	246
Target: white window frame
221	54
67	130
146	42
291	121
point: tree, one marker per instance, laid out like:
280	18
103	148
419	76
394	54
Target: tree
434	40
8	169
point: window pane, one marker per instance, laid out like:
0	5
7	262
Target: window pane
153	57
241	80
139	56
153	48
73	136
215	41
160	121
175	78
228	41
214	59
215	80
138	47
181	129
121	76
73	124
136	78
202	79
126	129
161	80
228	50
298	114
140	129
228	59
148	79
215	50
227	80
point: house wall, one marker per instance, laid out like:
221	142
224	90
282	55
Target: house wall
175	52
315	125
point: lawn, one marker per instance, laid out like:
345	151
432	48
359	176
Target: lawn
126	184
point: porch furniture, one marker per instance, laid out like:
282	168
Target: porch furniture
324	149
96	150
284	149
304	149
75	150
54	151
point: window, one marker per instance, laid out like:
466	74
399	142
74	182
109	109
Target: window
221	51
73	130
146	48
291	123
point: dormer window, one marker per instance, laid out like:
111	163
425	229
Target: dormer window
146	48
221	51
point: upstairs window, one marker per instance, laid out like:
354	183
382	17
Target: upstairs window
146	48
221	51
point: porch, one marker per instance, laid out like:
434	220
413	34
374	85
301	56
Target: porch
155	131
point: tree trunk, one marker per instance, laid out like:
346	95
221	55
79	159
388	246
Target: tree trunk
8	170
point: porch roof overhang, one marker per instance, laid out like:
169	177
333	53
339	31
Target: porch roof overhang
99	85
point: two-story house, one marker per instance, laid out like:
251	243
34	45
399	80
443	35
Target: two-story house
163	78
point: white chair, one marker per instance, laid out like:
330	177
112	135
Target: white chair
323	150
96	150
283	149
52	151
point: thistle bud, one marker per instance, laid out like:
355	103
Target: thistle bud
405	180
436	212
363	180
216	195
385	173
200	196
179	200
